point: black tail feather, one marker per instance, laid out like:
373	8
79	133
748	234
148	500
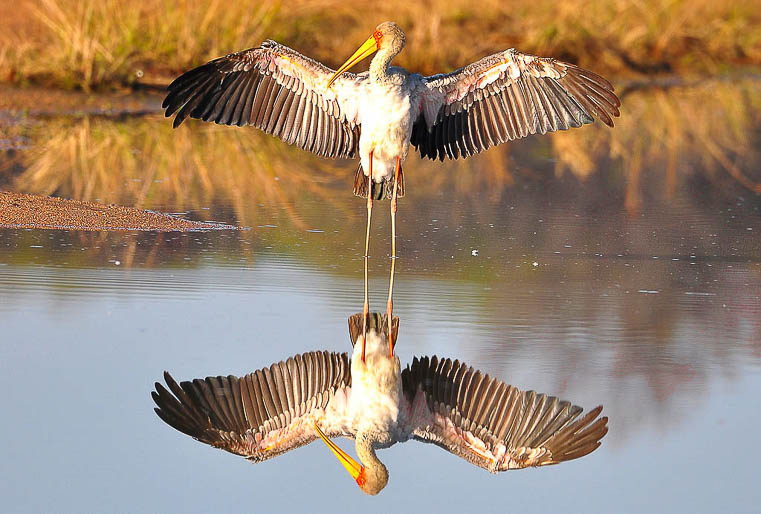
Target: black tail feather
380	190
375	321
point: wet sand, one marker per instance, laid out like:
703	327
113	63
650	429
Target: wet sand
19	210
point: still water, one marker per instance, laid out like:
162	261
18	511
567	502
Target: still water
620	268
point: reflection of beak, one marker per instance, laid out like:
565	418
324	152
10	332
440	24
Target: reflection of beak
367	48
351	465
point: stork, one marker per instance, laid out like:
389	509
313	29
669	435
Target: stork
377	115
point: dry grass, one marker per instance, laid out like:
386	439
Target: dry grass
86	43
89	43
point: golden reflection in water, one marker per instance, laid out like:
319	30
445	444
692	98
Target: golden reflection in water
710	127
145	163
675	133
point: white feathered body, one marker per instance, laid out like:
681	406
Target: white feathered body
376	391
387	111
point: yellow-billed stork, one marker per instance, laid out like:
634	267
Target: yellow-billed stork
376	115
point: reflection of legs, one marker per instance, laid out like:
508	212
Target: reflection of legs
366	309
389	305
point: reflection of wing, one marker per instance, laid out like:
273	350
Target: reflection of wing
507	96
265	413
494	425
277	90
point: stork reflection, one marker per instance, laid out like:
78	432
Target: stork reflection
325	395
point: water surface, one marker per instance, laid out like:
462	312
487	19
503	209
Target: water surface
620	268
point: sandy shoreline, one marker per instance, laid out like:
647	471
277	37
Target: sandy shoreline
18	210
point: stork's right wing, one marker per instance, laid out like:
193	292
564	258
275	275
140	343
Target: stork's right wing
277	90
491	424
264	413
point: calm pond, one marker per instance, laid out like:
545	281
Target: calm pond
617	267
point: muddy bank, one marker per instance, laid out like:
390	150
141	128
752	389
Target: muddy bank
32	211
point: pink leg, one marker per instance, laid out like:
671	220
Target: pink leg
389	305
366	309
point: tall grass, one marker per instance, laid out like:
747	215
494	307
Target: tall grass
87	43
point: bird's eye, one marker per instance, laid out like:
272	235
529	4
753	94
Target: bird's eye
378	36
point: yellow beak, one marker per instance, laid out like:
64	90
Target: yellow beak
352	466
367	48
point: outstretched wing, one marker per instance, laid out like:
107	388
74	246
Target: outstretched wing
507	96
264	413
491	424
278	90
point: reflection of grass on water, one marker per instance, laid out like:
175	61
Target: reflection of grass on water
712	128
143	162
85	43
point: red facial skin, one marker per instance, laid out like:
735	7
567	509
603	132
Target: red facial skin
378	36
361	480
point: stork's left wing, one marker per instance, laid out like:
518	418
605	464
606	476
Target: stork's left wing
507	96
491	424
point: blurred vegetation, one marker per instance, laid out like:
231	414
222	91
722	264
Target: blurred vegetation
93	43
711	130
713	127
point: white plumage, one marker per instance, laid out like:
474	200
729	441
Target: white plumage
376	387
388	136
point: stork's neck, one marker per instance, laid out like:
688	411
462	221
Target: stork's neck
375	473
380	63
